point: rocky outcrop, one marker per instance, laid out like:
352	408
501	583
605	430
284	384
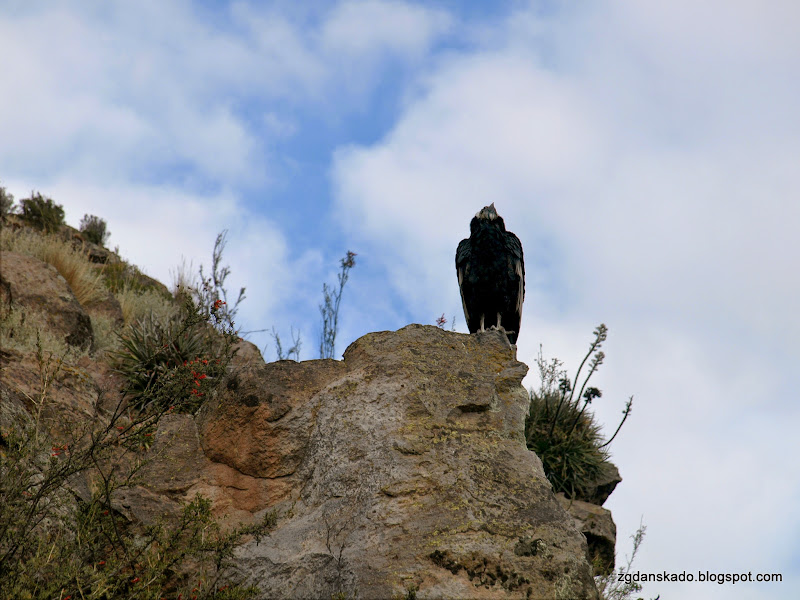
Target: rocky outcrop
602	487
597	525
400	471
402	467
594	521
37	285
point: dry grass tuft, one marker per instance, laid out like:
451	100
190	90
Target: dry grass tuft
86	283
184	279
137	305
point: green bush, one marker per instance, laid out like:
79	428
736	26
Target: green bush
560	430
42	212
94	229
6	203
170	364
569	451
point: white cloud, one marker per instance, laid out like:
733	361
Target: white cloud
162	117
132	89
364	28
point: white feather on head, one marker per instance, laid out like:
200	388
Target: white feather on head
487	212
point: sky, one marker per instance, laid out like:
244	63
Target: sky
645	153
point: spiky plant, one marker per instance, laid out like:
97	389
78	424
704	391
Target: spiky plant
567	442
561	431
153	356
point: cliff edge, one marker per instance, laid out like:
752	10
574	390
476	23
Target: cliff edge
402	467
399	472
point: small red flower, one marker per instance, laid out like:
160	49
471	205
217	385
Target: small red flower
135	580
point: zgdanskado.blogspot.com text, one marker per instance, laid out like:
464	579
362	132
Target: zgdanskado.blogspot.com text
701	577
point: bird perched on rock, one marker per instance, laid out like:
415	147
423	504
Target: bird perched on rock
491	275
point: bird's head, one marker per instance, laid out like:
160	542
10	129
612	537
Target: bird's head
488	214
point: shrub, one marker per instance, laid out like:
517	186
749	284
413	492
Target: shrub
619	584
569	451
104	327
23	329
211	296
42	212
560	430
329	309
6	203
184	281
153	357
58	543
121	275
94	228
173	363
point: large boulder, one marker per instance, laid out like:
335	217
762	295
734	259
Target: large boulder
402	467
601	488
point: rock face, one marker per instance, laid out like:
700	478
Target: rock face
603	485
402	467
596	523
400	471
34	284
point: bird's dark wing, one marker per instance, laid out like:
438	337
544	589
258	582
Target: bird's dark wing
517	264
462	269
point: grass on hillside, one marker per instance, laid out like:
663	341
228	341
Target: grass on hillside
138	304
84	280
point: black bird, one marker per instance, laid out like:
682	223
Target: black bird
491	275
